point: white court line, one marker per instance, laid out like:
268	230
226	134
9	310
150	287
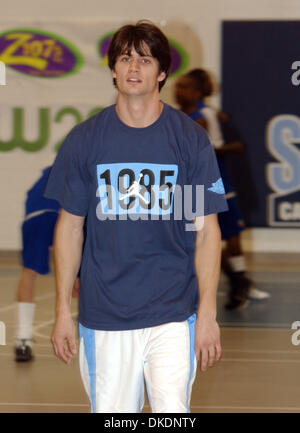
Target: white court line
45	404
38	298
40	355
284	352
296	361
287	361
287	352
193	407
35	333
34	344
261	351
251	326
247	407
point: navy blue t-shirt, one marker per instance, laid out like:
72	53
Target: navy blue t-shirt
137	267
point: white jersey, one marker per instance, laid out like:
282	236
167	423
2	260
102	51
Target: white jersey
213	126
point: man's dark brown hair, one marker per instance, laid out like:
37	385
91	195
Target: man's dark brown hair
140	36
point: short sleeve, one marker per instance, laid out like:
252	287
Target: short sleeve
68	182
204	170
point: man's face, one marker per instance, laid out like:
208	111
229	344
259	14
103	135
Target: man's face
185	92
137	75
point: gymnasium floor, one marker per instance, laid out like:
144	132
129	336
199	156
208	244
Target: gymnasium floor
259	370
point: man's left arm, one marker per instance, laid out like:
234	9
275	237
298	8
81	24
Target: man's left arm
207	261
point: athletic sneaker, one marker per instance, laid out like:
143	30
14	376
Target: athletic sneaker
257	295
236	304
23	351
239	290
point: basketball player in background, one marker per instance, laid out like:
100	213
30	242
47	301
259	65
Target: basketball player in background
37	237
190	92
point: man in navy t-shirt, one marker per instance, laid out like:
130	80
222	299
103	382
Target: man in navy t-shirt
145	179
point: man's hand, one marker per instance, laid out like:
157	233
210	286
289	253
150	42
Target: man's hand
63	337
207	341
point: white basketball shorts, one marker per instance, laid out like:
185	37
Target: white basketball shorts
114	366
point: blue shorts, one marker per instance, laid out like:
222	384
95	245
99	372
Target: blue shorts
231	222
37	237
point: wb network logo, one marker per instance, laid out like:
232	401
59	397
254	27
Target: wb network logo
283	176
2	74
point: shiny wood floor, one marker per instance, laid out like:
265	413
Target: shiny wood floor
259	370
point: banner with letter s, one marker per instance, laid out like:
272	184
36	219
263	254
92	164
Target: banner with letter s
261	92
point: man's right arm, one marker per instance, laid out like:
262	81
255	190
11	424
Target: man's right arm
68	242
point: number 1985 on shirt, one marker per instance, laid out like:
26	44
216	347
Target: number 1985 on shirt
136	188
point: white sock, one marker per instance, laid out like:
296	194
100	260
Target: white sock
25	312
237	263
